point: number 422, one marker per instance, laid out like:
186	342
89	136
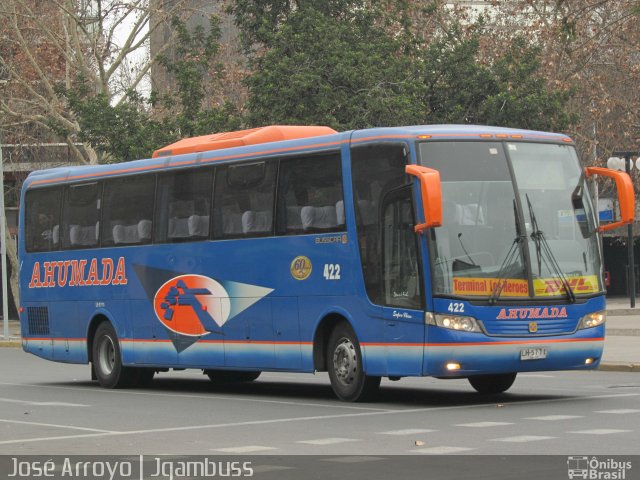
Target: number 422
331	271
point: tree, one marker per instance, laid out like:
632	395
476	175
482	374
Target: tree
590	44
136	125
48	43
326	63
355	64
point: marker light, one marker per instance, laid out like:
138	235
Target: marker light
588	361
452	322
453	366
593	320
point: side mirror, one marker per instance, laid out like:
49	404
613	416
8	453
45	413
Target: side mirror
431	192
626	196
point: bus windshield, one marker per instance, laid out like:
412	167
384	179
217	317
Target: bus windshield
518	221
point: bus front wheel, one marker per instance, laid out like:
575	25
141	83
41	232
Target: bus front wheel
344	361
107	360
492	384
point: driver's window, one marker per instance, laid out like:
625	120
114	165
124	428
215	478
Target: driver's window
400	269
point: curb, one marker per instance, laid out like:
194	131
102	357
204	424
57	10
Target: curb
623	312
623	332
619	367
10	344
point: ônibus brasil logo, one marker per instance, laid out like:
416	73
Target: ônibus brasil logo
195	305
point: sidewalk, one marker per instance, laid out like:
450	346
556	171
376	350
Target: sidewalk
621	349
622	343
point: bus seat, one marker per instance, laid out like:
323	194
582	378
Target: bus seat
340	212
451	213
144	230
231	222
471	214
367	212
198	225
136	233
256	221
85	236
178	227
319	217
55	235
294	221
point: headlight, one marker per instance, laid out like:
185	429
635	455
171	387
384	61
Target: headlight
593	320
453	322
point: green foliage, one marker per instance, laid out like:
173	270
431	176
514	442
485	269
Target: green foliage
347	64
521	95
121	132
355	64
509	91
337	70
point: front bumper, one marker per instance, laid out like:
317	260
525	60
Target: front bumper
476	353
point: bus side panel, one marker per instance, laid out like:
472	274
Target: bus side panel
288	348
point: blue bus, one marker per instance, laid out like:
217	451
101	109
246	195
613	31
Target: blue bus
446	251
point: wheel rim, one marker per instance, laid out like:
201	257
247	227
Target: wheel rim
107	355
345	362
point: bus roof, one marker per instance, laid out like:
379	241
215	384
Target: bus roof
273	141
254	136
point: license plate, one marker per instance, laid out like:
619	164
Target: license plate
533	353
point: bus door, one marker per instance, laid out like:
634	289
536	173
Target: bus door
402	285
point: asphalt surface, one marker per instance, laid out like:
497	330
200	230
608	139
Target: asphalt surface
48	408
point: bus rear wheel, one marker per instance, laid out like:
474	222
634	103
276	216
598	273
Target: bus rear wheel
492	384
107	360
344	361
230	376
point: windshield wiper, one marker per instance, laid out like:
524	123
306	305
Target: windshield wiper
509	258
543	249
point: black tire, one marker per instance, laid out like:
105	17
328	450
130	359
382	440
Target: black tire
344	362
231	376
492	384
107	360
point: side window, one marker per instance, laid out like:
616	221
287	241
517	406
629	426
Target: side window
400	266
42	220
184	201
376	170
81	216
243	200
128	210
310	197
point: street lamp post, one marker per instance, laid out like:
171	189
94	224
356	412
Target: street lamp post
3	252
622	161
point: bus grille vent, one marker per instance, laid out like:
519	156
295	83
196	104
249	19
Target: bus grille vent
38	320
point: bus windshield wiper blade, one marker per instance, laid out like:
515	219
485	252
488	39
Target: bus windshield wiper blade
544	250
509	258
502	274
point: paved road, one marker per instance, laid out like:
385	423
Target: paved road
49	408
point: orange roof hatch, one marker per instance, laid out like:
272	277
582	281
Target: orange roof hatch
254	136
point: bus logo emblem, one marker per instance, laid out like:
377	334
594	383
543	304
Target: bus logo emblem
533	327
192	305
195	305
301	268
